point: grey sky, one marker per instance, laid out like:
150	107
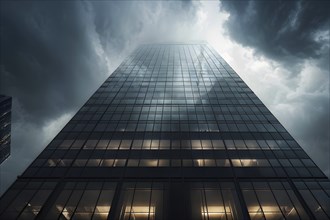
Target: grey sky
54	55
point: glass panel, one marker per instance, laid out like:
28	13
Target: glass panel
148	163
87	204
69	208
253	205
59	205
33	207
218	144
313	204
285	204
269	205
214	203
223	162
103	205
141	202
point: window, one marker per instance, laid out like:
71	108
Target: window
271	200
141	201
214	201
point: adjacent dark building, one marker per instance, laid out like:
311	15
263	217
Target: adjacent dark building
173	133
5	127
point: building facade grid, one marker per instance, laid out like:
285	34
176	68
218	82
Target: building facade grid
173	133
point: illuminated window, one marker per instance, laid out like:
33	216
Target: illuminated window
271	201
90	144
33	207
214	201
114	144
250	162
102	144
148	163
196	144
137	144
141	201
80	162
93	162
78	202
218	144
52	162
146	144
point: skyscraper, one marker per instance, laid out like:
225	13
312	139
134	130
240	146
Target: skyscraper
5	127
173	133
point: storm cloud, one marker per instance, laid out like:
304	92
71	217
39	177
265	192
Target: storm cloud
291	41
54	55
286	31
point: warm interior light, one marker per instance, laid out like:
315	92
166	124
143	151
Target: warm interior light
200	162
248	162
151	163
102	209
214	211
34	209
270	210
139	211
65	213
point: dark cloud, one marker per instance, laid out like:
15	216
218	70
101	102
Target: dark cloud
285	31
49	64
55	54
294	34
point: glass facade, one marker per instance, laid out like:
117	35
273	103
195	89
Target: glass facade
5	127
173	133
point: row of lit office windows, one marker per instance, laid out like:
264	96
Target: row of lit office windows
147	200
155	144
174	163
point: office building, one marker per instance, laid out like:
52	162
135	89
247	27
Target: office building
5	127
173	133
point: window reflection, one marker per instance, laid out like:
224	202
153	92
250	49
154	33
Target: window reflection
27	202
141	201
214	212
140	212
83	201
315	192
250	163
214	201
271	201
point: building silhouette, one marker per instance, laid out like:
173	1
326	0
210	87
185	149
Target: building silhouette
5	127
173	133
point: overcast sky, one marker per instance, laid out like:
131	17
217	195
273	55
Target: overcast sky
54	55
